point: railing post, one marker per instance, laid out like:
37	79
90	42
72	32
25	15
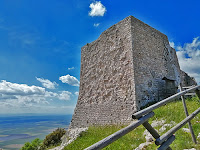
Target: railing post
165	145
197	91
161	103
143	116
113	137
187	114
169	133
152	131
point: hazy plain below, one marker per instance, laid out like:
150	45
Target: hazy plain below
17	129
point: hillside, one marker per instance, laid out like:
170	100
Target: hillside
165	117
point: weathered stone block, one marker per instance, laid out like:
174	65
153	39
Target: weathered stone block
128	66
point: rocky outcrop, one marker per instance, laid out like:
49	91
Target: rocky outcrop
186	80
69	137
149	138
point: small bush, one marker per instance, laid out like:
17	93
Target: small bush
54	138
34	145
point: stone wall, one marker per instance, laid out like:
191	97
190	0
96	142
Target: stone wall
130	65
186	80
107	91
153	60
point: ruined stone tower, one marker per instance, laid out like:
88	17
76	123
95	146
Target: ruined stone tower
128	66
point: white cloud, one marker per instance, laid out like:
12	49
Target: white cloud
8	88
47	83
172	44
8	109
65	95
96	24
189	58
50	94
72	68
69	80
21	95
97	9
76	93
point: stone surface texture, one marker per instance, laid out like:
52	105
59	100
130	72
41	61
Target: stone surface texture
186	80
153	59
130	65
156	123
143	146
148	136
198	137
70	136
164	127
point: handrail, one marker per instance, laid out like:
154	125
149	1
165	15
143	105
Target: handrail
166	144
187	87
169	133
187	114
113	137
163	102
143	117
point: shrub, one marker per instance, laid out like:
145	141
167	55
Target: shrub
51	140
34	145
54	138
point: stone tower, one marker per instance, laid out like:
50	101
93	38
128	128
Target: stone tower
130	65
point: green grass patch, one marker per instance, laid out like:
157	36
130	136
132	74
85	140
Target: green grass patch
171	112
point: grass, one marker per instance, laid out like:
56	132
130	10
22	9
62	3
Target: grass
171	112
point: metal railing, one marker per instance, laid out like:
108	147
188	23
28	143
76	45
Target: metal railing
144	115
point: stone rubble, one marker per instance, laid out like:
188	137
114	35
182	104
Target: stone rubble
156	123
72	134
143	146
198	136
69	137
186	130
163	128
149	138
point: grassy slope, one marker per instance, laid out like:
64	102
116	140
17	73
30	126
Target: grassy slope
170	112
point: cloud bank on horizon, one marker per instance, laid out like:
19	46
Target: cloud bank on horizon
17	91
24	97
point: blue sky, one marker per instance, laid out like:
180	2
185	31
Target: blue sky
40	45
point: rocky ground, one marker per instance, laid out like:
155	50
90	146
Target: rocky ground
69	137
149	138
72	134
